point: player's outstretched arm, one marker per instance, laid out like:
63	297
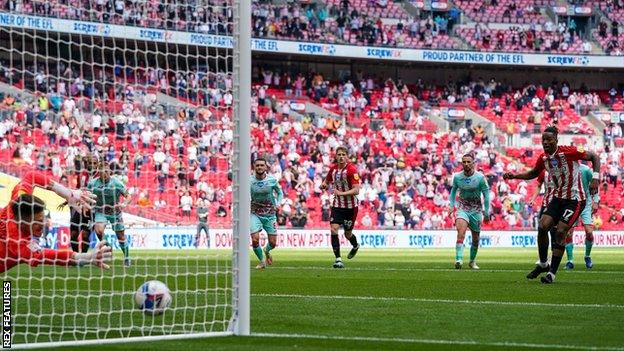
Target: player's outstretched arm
531	174
99	257
79	198
74	197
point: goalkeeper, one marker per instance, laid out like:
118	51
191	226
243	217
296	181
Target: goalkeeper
23	220
108	191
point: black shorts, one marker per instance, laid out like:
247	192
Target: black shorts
566	211
343	216
79	221
541	211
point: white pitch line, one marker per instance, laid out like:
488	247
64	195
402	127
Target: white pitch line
439	341
467	302
431	270
110	293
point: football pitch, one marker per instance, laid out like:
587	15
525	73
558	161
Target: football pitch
399	300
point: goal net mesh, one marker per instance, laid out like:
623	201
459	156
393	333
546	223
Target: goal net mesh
133	101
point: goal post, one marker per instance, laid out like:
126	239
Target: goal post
242	162
89	82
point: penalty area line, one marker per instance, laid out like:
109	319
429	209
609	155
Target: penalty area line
438	341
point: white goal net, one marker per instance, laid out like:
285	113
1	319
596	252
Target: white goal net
138	103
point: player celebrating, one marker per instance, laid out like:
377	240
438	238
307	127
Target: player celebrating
568	196
23	220
266	193
108	191
345	181
591	206
469	209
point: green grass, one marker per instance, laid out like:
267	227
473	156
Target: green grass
383	300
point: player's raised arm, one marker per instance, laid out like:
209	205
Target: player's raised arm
76	197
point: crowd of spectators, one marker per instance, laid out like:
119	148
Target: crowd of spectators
610	37
205	16
360	22
176	161
560	38
505	11
345	24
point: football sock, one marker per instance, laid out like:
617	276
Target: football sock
554	265
459	252
85	243
335	243
258	251
542	246
75	246
473	252
588	247
124	249
268	247
353	240
570	251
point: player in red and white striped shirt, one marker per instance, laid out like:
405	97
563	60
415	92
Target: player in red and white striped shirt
345	181
568	197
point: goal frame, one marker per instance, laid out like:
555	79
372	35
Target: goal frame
239	323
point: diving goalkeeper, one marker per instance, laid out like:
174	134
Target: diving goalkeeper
23	218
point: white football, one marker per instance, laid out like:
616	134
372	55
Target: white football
153	297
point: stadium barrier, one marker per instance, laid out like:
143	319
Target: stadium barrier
177	238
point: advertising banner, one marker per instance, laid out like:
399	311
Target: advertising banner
180	238
307	48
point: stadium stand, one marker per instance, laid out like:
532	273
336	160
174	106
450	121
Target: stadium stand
66	114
